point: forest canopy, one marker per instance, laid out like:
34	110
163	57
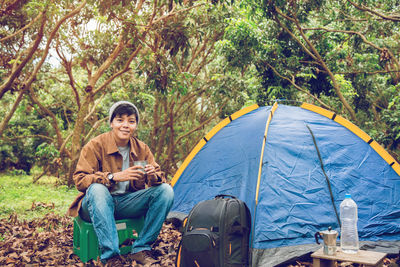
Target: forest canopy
186	64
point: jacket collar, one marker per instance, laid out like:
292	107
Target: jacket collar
111	146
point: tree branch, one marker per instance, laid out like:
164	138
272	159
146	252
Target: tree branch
175	13
292	34
201	125
17	68
367	72
348	32
364	8
385	52
28	136
122	71
50	39
49	113
314	52
7	118
94	127
22	29
293	82
9	8
106	64
68	68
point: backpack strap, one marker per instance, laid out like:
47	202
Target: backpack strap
224	195
178	258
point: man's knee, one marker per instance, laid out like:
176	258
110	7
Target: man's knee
98	192
166	192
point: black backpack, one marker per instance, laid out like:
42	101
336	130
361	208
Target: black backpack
216	234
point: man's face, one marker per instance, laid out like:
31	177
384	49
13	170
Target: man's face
123	126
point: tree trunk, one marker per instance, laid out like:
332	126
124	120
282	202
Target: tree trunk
77	135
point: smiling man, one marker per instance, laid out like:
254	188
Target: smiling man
112	188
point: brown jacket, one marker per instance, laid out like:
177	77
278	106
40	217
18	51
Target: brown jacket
101	157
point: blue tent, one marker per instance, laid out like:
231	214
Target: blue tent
293	166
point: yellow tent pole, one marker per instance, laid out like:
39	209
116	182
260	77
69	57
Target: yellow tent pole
207	137
357	131
271	114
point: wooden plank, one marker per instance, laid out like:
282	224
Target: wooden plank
362	256
323	263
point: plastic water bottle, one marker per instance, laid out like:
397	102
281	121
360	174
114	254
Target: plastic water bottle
348	217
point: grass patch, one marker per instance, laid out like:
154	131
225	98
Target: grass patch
29	201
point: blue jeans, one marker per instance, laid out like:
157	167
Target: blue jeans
102	209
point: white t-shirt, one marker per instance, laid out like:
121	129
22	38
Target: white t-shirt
121	187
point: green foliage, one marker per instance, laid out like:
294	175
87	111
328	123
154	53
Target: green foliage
253	54
390	122
351	42
230	90
45	154
18	146
26	140
345	86
175	37
240	42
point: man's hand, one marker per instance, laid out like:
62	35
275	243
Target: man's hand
149	169
132	173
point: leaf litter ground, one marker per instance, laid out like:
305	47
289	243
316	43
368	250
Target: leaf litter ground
49	242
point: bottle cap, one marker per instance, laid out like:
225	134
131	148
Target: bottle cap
347	196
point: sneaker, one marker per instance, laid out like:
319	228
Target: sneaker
116	261
143	257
